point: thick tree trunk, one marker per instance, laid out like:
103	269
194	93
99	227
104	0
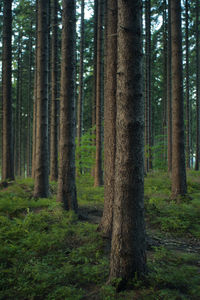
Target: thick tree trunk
7	157
98	176
187	85
110	118
66	176
169	92
54	94
41	188
179	186
197	158
128	237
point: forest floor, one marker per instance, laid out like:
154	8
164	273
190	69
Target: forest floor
47	253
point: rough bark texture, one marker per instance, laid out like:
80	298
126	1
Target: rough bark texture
98	176
7	158
66	176
41	188
54	94
197	90
169	92
187	85
110	118
179	186
128	256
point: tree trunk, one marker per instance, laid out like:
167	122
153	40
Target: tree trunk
17	114
179	186
28	148
110	118
98	176
94	76
54	94
147	82
81	86
197	89
169	92
66	176
187	86
128	256
7	158
41	188
164	81
35	102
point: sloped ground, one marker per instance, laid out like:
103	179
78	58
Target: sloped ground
46	253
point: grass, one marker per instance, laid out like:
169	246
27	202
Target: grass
47	253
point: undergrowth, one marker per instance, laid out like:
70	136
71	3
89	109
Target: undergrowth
47	253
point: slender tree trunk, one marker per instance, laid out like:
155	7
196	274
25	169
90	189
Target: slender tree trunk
169	92
81	85
147	82
164	81
54	94
66	176
187	86
98	178
128	256
197	89
7	158
179	186
28	148
41	188
94	77
35	101
16	143
19	132
34	121
110	118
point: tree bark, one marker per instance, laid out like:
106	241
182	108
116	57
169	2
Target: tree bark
35	101
41	188
179	186
28	148
66	176
54	94
81	86
110	118
187	85
8	159
169	92
128	256
98	176
197	158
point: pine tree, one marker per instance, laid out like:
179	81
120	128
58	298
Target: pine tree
128	236
41	188
66	176
7	157
179	186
